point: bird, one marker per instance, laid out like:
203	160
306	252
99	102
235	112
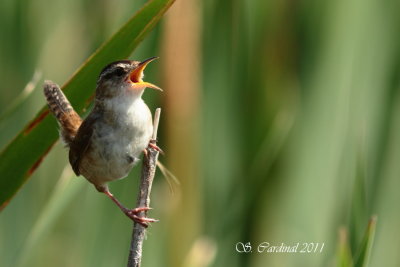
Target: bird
107	144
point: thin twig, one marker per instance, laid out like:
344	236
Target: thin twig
146	181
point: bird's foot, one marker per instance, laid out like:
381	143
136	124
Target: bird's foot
152	144
134	215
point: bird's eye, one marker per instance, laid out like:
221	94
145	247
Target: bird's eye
119	72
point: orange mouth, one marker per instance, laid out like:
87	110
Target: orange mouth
136	76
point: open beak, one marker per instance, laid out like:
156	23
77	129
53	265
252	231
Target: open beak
137	74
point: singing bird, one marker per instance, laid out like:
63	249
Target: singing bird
107	144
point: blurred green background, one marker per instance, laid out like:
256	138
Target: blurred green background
280	119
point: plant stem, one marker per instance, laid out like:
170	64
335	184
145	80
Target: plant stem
146	181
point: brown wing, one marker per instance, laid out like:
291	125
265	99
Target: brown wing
81	142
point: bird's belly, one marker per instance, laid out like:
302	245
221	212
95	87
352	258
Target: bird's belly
114	152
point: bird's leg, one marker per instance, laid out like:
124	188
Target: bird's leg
133	213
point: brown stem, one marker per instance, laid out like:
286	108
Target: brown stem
146	181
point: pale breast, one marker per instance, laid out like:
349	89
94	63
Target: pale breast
117	143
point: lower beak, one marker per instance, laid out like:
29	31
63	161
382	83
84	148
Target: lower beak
137	74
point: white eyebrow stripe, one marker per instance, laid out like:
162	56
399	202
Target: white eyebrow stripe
111	69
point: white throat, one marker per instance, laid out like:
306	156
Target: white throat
122	103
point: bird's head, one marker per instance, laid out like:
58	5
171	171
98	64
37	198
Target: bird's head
123	77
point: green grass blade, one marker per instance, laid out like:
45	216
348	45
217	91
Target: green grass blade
64	192
344	258
25	153
366	245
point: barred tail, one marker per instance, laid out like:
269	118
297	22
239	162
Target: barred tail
66	116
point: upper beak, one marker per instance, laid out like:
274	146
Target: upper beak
136	75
